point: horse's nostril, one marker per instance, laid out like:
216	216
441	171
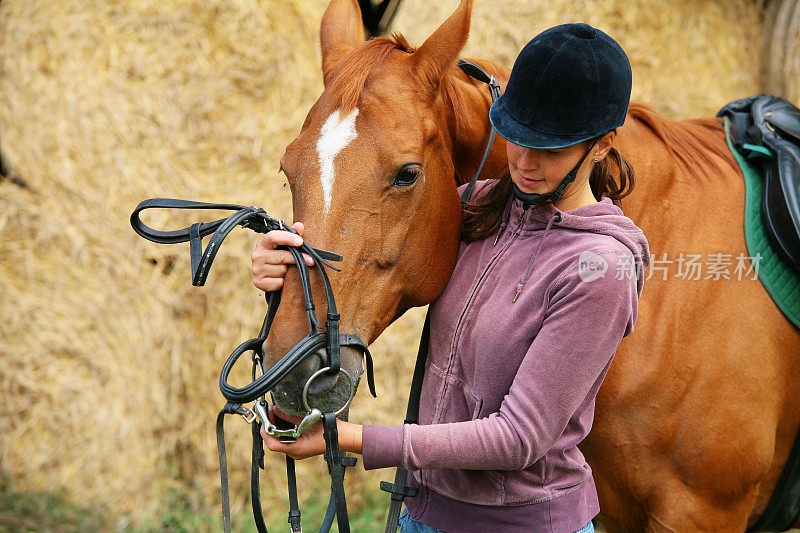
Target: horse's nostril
327	392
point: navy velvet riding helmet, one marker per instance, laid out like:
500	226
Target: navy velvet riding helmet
569	84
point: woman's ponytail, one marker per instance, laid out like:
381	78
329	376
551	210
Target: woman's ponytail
602	181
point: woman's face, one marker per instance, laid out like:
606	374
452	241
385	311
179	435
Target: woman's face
541	171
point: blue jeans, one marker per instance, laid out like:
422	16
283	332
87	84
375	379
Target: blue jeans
409	525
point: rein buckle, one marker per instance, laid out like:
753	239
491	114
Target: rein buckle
248	414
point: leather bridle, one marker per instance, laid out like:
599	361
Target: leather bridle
256	219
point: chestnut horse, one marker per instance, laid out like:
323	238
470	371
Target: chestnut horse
698	413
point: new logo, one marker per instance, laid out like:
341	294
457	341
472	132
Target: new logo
591	266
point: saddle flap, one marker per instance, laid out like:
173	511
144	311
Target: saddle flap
782	115
781	204
739	114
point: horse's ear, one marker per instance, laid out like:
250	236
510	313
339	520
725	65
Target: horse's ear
441	49
341	31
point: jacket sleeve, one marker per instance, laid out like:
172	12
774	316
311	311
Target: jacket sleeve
562	369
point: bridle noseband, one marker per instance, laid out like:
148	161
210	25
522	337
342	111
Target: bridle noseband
256	219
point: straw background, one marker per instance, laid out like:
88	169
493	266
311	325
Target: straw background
109	359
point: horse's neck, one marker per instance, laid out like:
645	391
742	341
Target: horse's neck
469	101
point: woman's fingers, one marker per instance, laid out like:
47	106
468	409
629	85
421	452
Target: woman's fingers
270	263
273	239
274	444
268	276
299	228
309	444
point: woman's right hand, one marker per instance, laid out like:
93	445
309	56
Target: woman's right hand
269	263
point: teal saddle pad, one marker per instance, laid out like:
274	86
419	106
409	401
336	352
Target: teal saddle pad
780	280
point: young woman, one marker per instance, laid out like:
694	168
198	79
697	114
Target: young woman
546	286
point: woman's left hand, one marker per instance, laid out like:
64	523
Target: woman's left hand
312	442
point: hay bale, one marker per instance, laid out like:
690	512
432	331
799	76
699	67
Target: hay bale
110	357
781	41
689	58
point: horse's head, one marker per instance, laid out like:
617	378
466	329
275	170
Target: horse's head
373	177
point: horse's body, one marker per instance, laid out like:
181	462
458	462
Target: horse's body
697	415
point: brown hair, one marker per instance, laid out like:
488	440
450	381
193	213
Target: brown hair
482	217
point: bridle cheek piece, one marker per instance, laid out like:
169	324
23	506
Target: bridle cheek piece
256	219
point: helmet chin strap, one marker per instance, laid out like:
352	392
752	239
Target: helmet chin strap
532	198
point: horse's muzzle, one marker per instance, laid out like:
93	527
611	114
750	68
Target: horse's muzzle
326	392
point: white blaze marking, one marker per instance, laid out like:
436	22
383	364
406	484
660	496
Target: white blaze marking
334	136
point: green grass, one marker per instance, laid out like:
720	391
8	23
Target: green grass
182	516
178	511
20	512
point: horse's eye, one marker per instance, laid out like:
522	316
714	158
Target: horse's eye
407	175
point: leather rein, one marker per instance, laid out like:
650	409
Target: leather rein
265	379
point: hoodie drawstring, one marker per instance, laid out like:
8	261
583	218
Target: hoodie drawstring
499	232
535	256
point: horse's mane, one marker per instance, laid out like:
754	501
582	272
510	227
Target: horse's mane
693	143
352	71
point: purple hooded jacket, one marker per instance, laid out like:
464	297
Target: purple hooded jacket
521	339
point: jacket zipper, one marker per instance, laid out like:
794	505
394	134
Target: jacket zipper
459	324
522	216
